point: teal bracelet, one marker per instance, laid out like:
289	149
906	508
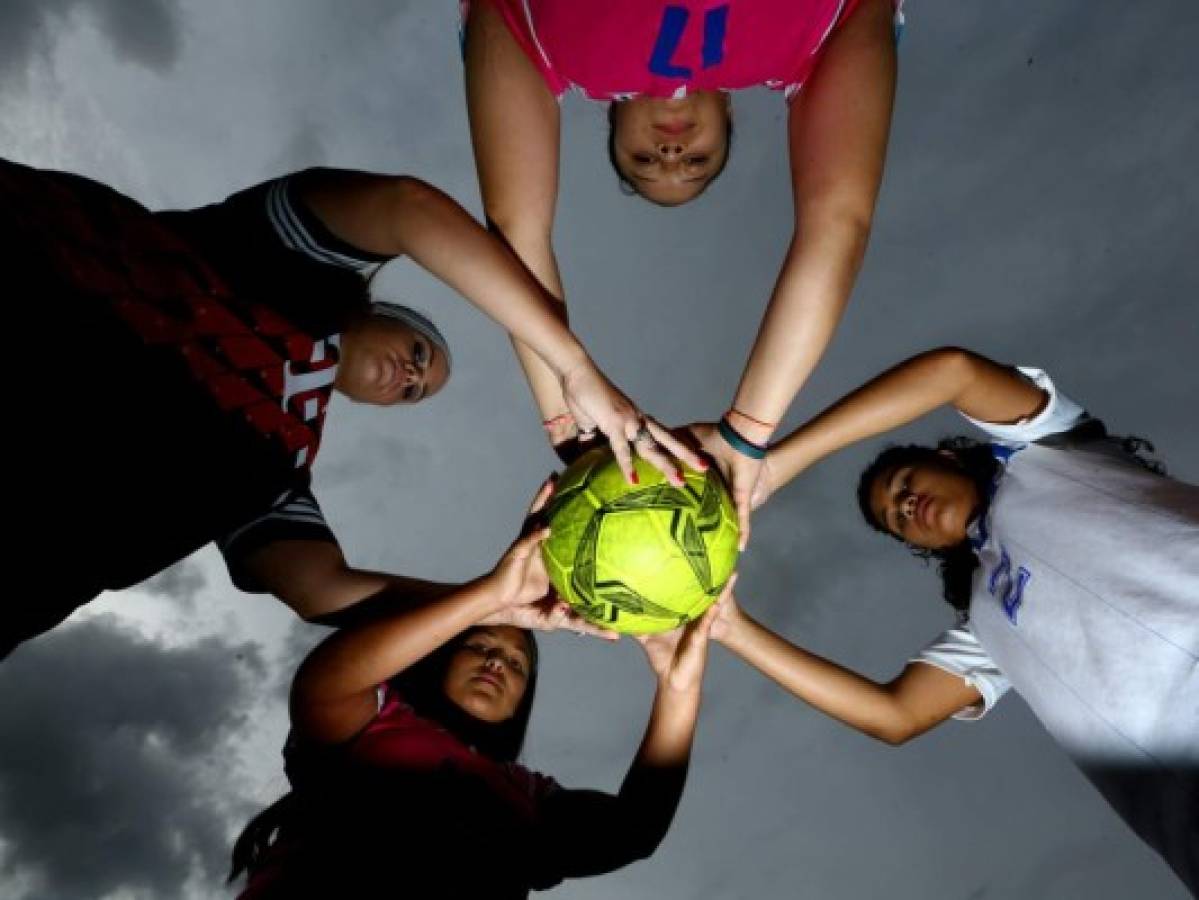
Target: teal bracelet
739	442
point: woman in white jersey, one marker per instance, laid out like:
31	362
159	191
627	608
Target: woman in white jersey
1073	565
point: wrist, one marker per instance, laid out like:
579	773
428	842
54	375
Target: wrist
559	428
687	692
755	429
570	360
489	597
732	636
739	442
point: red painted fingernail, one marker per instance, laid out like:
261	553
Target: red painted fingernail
635	479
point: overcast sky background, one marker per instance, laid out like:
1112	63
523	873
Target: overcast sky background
1039	206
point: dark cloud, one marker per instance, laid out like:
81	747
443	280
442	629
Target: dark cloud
145	31
115	768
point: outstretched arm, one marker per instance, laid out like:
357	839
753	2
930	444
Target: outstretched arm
314	579
514	125
837	129
333	694
400	215
919	698
631	824
975	385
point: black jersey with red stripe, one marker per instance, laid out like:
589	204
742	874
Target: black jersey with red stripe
183	363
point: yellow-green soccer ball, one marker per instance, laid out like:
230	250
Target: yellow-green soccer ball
639	558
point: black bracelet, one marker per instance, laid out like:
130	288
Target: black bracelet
739	442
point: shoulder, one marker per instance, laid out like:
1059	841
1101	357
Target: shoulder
272	216
958	651
535	786
514	23
1059	415
295	515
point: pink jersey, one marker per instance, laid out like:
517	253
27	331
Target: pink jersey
615	49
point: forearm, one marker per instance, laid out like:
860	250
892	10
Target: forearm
357	658
808	301
534	248
837	135
364	596
440	236
836	691
900	395
653	786
312	577
671	728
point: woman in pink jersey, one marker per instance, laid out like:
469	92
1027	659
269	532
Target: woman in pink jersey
667	66
405	733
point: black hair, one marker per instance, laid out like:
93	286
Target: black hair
627	187
422	687
974	459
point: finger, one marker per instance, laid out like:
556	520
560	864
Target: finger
584	424
727	591
675	447
652	453
741	499
579	625
758	497
527	544
624	457
703	628
543	495
691	656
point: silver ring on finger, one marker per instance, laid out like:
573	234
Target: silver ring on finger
643	433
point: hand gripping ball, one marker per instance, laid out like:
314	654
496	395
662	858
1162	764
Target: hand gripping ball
639	558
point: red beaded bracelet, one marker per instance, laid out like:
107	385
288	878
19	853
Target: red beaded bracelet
562	419
736	412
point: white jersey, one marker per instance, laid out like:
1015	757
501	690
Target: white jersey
1086	601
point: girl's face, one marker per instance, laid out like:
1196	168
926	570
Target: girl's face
925	504
489	672
670	149
384	361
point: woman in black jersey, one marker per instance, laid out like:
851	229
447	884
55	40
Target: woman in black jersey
184	361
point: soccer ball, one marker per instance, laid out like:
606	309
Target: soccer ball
639	558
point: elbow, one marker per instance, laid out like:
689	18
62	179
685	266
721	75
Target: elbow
642	843
308	605
849	216
944	364
894	736
407	193
952	365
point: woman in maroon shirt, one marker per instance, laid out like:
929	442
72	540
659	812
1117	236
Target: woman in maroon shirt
405	734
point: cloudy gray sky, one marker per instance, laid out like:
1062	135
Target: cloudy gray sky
1039	206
